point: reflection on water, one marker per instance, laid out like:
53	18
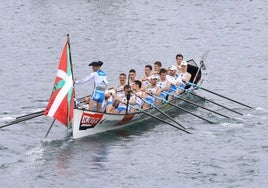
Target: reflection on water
92	150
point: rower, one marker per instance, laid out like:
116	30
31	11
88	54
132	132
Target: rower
122	82
163	83
139	95
184	76
122	101
179	59
157	67
174	79
132	76
147	77
152	91
110	102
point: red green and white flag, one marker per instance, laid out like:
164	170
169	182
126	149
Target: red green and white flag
61	103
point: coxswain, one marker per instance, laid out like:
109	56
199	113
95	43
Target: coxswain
100	85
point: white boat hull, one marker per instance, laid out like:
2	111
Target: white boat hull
87	122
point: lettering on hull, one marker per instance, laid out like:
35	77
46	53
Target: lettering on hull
89	120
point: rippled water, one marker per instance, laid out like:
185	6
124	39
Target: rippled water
129	34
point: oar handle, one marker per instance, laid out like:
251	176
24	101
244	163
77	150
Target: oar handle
159	98
192	84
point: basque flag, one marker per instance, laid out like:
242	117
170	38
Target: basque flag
61	103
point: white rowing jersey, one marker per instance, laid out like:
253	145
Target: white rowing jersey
150	97
120	89
174	79
138	100
152	90
162	84
99	77
183	76
146	81
124	98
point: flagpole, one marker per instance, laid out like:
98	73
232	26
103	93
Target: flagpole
50	128
70	58
57	105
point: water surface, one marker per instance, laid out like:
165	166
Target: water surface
129	34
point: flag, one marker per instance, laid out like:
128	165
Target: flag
61	102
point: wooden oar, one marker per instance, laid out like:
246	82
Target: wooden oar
42	111
21	120
163	113
189	91
28	117
185	100
166	101
192	84
216	103
34	113
159	119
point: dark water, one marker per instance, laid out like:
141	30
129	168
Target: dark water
129	34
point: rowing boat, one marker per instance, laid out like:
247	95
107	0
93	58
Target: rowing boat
87	122
82	122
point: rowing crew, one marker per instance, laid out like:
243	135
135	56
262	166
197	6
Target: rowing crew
144	91
131	98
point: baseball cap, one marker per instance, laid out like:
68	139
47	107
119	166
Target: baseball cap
154	76
184	63
173	67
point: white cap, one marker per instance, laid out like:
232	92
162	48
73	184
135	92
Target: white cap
184	63
154	76
173	67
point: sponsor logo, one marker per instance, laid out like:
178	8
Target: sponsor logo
89	120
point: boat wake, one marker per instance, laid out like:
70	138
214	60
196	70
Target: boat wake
262	109
232	125
260	113
36	153
4	118
52	142
206	134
